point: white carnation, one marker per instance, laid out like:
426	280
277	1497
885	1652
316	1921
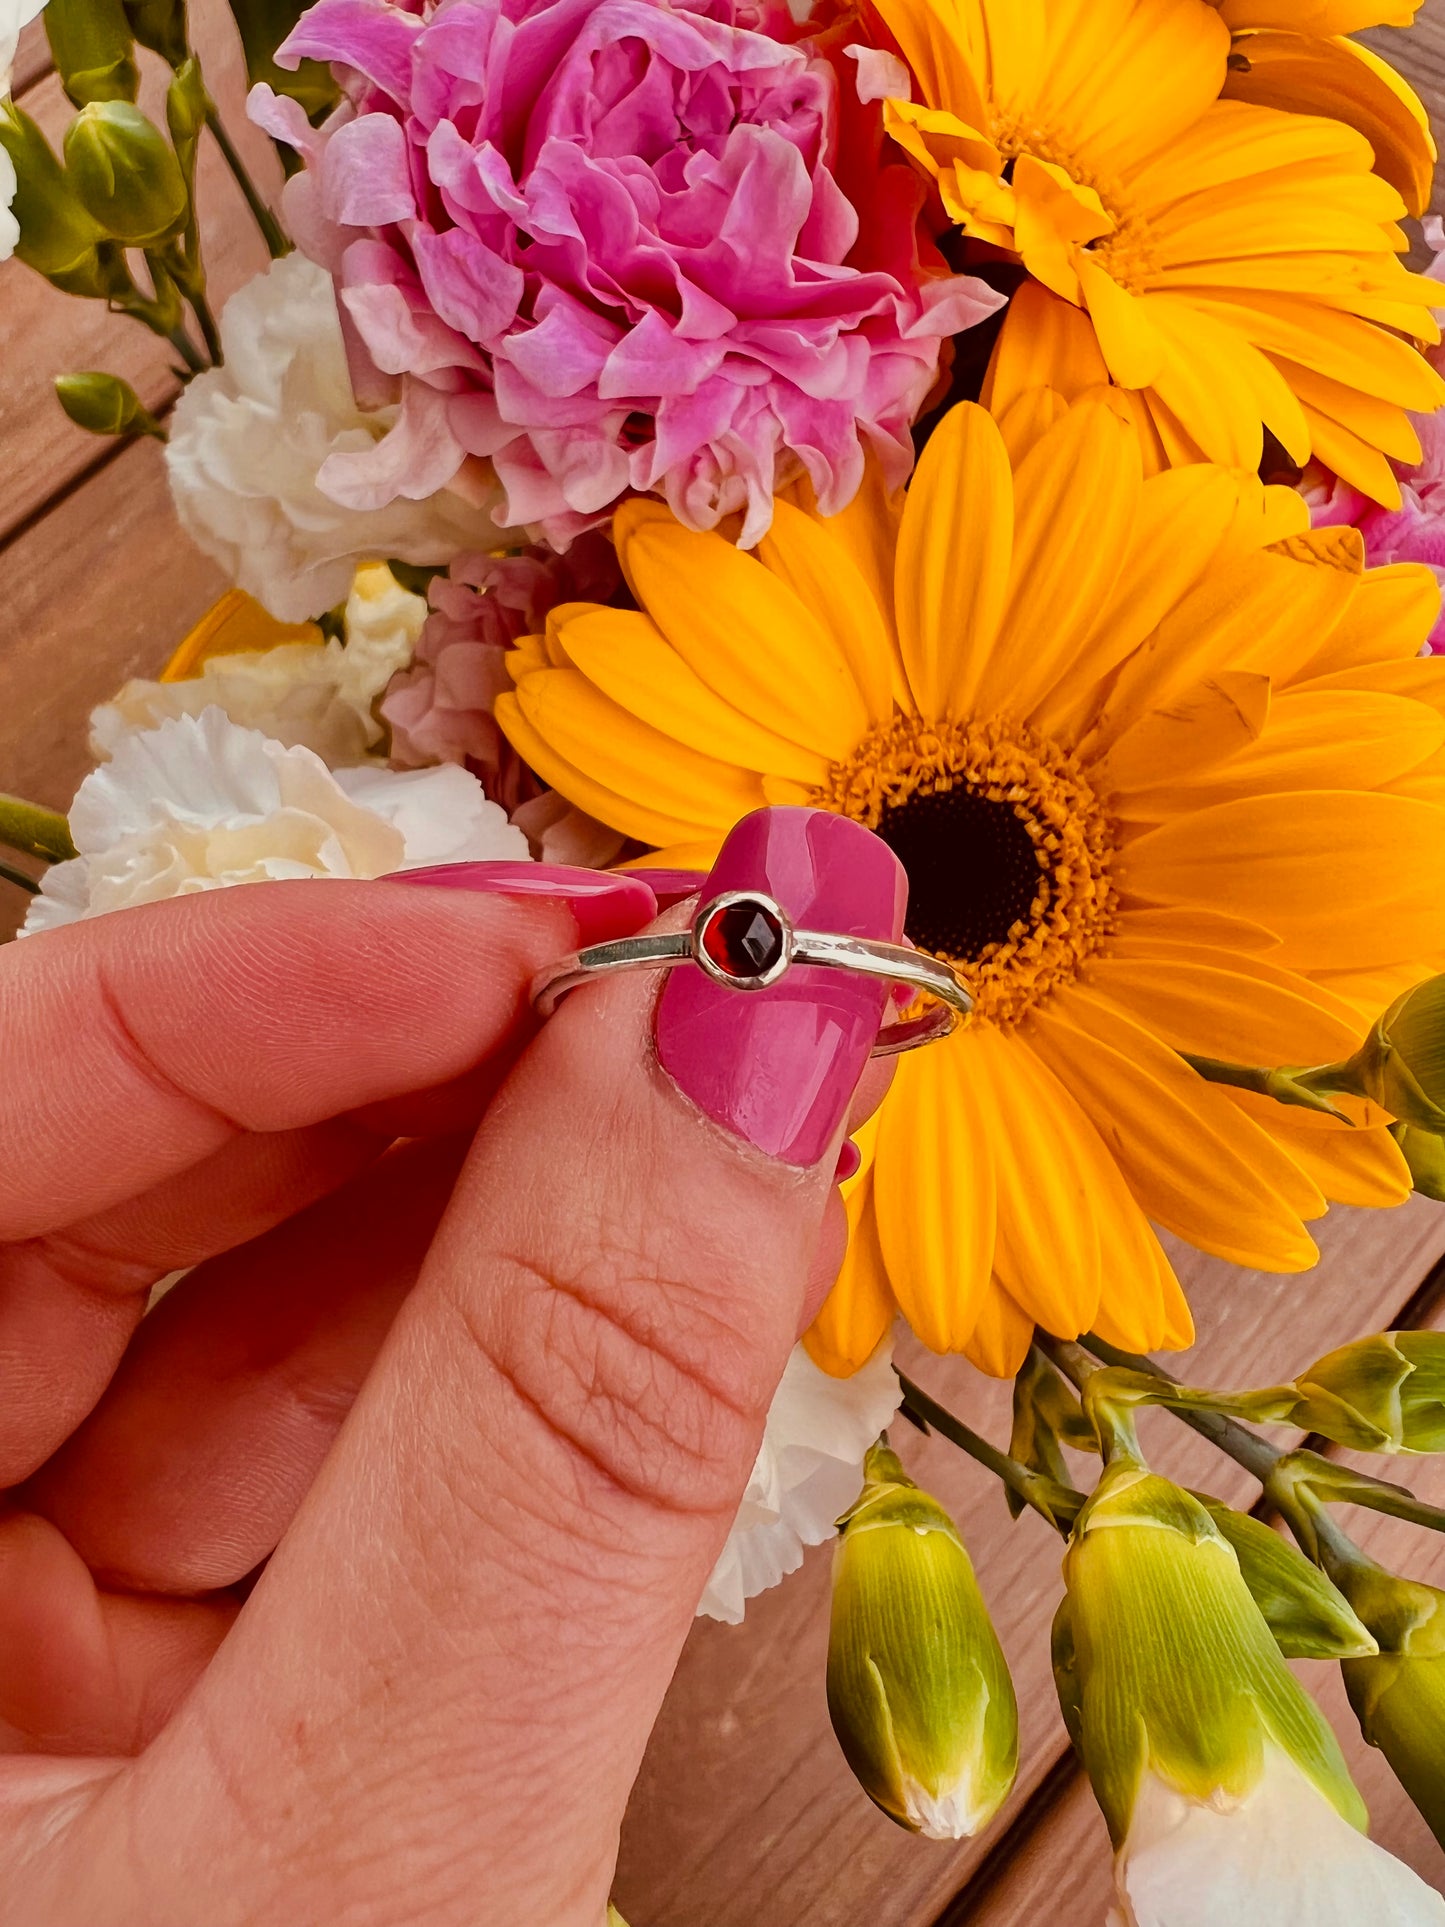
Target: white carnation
248	438
9	226
1279	1857
319	696
14	14
199	803
809	1469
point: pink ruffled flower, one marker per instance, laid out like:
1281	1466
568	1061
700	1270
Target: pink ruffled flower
439	708
602	245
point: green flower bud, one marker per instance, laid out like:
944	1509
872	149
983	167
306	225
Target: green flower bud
1309	1617
57	237
1401	1064
918	1691
1399	1695
1181	1690
161	26
105	405
186	103
94	53
126	174
1424	1152
1379	1394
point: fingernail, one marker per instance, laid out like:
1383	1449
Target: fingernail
850	1162
779	1066
604	904
668	886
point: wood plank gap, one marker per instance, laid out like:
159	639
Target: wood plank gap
112	447
1035	1813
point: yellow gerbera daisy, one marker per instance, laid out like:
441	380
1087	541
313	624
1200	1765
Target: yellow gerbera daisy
1157	789
1228	264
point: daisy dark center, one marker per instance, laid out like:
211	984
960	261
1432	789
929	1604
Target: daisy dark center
974	873
1007	850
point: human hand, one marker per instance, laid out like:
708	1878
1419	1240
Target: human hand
488	1467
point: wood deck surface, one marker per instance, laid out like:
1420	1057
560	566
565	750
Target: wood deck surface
744	1815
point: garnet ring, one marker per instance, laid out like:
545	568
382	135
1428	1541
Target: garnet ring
745	941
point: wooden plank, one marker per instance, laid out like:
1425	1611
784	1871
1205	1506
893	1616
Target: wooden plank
101	589
745	1812
44	333
32	58
1061	1859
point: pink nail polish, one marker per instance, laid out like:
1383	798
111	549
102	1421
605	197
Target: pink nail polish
779	1066
604	904
668	886
850	1162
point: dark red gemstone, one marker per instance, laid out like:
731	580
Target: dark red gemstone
745	940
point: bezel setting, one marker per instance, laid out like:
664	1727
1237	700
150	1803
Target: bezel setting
705	939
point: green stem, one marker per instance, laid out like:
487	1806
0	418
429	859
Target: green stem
1236	1441
271	233
210	333
36	831
1059	1504
19	879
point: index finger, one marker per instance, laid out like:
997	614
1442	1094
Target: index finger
137	1044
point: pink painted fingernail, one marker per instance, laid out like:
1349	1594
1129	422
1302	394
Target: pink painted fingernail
668	886
850	1162
604	905
779	1066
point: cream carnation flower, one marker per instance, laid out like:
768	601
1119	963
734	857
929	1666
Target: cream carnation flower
14	14
808	1470
248	438
319	696
199	803
1282	1856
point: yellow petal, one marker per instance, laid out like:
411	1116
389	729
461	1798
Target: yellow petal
1349	879
1194	1164
1310	73
858	1311
1389	616
814	558
1244	1009
1258	613
1201	728
1077	495
237	625
1350	1165
999	1342
625	655
934	1193
618	769
1043	1147
744	632
1183	518
1320	740
961	503
1044	343
1318	16
1193	928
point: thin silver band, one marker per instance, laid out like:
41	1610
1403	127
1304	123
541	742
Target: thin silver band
861	956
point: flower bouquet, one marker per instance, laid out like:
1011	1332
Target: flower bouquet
1008	424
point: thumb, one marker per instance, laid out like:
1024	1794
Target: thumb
434	1703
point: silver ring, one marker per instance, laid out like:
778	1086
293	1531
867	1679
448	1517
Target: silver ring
745	941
